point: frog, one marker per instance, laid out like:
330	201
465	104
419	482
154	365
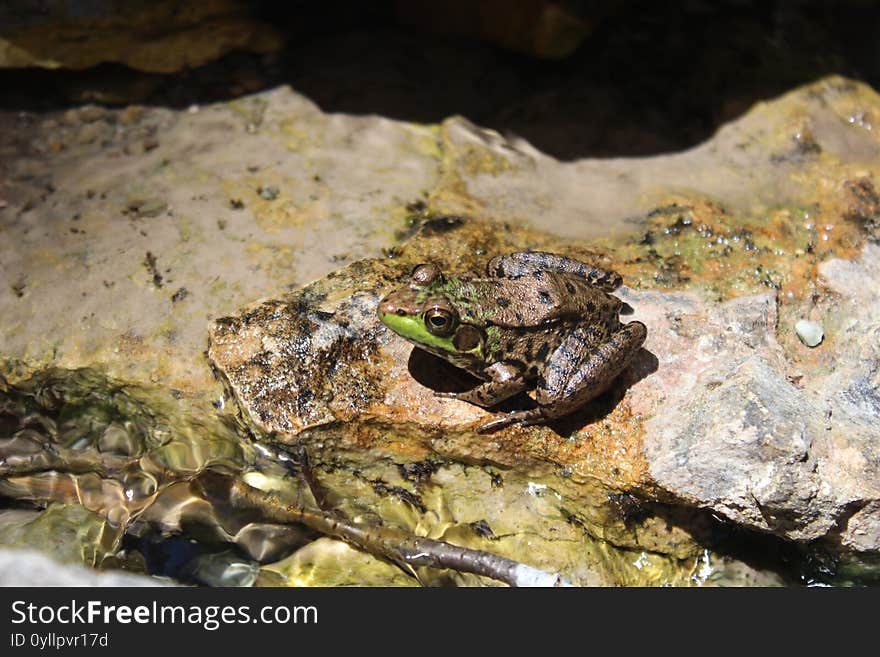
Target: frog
532	320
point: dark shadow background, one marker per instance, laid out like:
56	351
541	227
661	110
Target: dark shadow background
651	78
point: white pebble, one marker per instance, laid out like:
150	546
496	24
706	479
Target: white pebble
810	333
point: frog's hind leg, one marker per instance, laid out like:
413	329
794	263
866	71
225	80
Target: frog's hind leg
575	374
524	263
505	381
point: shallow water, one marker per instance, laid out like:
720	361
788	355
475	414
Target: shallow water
133	478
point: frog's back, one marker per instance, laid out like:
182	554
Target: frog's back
538	299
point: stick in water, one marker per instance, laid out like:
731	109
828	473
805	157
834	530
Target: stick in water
399	547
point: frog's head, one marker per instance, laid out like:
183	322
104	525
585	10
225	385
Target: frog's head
426	312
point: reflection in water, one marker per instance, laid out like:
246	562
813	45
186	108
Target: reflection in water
116	461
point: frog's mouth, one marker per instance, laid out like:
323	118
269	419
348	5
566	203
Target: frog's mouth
413	329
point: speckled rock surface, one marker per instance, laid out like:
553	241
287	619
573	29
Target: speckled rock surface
745	431
157	214
127	231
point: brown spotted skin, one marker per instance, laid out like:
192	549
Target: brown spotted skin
537	318
574	376
506	381
522	264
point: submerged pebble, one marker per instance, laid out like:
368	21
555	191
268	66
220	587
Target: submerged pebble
269	193
809	332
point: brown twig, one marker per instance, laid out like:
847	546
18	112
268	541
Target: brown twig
399	547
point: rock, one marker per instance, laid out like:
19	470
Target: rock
749	166
30	568
203	161
269	193
743	447
207	158
735	435
159	37
720	424
862	529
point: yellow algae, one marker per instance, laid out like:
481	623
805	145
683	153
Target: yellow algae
251	109
696	241
427	140
279	260
297	134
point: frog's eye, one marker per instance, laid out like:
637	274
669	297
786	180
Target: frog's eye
424	274
440	321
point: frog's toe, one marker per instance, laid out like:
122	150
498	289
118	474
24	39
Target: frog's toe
495	425
525	418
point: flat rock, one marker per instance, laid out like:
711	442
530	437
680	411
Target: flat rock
106	235
718	419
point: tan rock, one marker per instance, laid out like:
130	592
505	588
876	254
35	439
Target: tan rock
159	37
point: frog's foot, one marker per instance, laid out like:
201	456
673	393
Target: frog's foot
489	393
525	418
505	381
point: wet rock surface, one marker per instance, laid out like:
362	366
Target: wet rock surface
167	506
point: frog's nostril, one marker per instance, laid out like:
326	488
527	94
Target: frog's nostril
390	308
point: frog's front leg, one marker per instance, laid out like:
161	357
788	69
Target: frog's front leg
505	381
575	374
